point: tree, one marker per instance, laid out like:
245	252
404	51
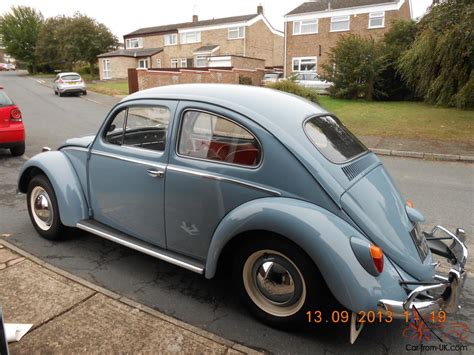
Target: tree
69	40
439	63
391	85
19	31
355	64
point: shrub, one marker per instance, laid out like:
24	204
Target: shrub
294	88
391	85
439	63
245	80
355	64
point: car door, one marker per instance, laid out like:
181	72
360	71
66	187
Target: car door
127	169
216	158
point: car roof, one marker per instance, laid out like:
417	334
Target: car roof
278	112
69	73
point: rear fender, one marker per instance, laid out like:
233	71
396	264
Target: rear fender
323	236
67	188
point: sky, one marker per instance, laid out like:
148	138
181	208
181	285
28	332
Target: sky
123	18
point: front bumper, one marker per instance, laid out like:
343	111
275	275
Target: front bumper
450	287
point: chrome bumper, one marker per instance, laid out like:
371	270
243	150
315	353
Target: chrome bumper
450	286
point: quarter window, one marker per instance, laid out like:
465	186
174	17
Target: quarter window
210	137
377	19
305	27
340	23
141	127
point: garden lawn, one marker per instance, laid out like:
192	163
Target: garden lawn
116	87
408	120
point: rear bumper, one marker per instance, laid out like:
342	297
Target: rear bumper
12	136
450	287
71	89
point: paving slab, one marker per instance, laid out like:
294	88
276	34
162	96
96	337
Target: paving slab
32	294
7	255
97	326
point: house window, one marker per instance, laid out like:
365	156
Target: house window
134	43
304	64
106	69
236	32
305	27
158	63
201	61
340	23
377	19
143	63
183	62
190	37
174	63
171	39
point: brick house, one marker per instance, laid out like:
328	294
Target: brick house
191	44
314	27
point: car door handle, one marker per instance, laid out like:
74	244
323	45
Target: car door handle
155	173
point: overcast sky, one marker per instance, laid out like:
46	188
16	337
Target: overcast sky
126	17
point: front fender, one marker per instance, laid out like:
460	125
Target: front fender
323	236
67	188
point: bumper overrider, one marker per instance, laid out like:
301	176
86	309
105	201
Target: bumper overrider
419	301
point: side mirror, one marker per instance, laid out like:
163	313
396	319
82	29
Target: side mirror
112	127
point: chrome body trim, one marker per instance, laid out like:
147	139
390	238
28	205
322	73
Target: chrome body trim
127	159
80	149
154	252
451	286
222	178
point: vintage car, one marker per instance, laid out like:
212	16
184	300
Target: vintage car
206	175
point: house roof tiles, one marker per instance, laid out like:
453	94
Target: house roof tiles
324	5
174	27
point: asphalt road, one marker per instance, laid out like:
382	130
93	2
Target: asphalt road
443	191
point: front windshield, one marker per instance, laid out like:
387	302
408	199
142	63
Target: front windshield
332	139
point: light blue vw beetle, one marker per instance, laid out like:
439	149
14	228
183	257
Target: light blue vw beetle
201	175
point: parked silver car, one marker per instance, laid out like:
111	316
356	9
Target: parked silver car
312	80
272	77
69	83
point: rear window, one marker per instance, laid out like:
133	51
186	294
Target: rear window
332	139
5	100
71	77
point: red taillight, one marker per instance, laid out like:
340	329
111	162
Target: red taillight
61	81
376	254
15	115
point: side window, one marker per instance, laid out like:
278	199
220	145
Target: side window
145	127
207	136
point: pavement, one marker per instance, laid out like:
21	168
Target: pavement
72	315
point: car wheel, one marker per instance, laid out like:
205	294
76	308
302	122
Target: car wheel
61	94
19	150
84	92
278	282
43	208
55	92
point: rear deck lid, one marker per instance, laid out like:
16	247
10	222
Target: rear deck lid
377	207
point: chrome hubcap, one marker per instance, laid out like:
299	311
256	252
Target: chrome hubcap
41	208
274	283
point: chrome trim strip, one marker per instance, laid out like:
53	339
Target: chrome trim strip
80	149
140	248
127	159
222	178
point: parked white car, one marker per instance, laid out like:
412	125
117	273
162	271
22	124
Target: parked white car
312	80
69	83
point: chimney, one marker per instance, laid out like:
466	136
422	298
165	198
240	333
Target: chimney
195	18
260	9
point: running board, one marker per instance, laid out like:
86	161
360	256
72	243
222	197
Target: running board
114	235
